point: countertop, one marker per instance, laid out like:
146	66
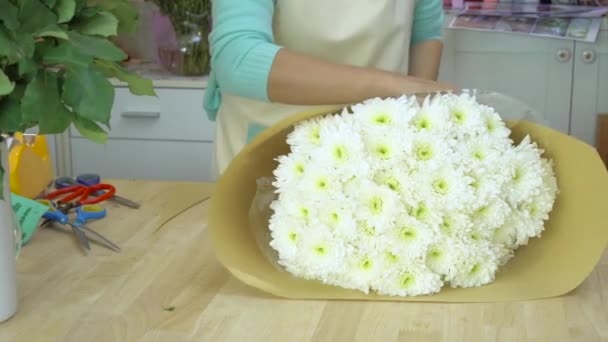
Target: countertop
166	285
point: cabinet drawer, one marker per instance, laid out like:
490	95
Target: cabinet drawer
176	114
141	159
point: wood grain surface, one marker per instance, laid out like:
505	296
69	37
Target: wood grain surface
166	285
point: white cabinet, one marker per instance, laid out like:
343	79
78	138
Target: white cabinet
164	138
556	77
590	87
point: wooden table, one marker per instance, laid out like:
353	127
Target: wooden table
167	286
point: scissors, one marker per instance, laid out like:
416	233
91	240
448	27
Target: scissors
91	179
86	210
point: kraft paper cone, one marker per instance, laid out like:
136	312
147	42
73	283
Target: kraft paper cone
573	242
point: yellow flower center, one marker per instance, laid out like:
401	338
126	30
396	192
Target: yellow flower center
383	151
407	234
376	204
340	153
393	184
446	225
475	269
366	264
423	123
407	280
320	250
382	119
424	152
299	168
322	183
315	135
458	116
293	236
440	186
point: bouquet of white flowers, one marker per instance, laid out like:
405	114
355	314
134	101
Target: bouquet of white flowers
399	197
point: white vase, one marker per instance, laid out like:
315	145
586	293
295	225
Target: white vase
8	276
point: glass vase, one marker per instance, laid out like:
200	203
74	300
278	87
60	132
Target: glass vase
181	40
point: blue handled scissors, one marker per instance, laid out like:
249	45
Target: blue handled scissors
91	179
84	214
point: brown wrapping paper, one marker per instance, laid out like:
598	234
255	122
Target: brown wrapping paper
574	239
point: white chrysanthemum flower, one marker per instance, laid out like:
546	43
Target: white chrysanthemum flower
446	187
444	256
296	206
384	113
465	113
429	151
409	237
433	116
319	255
363	266
487	185
377	205
396	179
491	215
541	205
517	229
319	181
411	279
306	135
290	171
496	127
480	153
342	150
337	213
526	172
478	267
454	224
386	149
286	234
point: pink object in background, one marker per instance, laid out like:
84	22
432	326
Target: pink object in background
164	33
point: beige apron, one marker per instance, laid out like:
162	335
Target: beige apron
356	32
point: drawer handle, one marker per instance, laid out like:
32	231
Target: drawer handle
141	115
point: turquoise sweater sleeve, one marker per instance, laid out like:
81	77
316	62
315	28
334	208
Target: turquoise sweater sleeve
243	49
428	21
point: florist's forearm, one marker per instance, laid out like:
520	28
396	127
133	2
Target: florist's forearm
299	79
425	59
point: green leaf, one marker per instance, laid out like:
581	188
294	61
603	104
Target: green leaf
88	93
125	11
57	121
27	66
53	31
99	48
137	84
87	12
102	24
90	130
65	10
6	85
8	15
15	49
66	54
35	16
128	17
10	115
7	45
41	97
50	3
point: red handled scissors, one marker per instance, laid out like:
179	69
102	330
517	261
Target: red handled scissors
81	194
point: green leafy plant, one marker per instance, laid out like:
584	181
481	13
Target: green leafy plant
56	58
